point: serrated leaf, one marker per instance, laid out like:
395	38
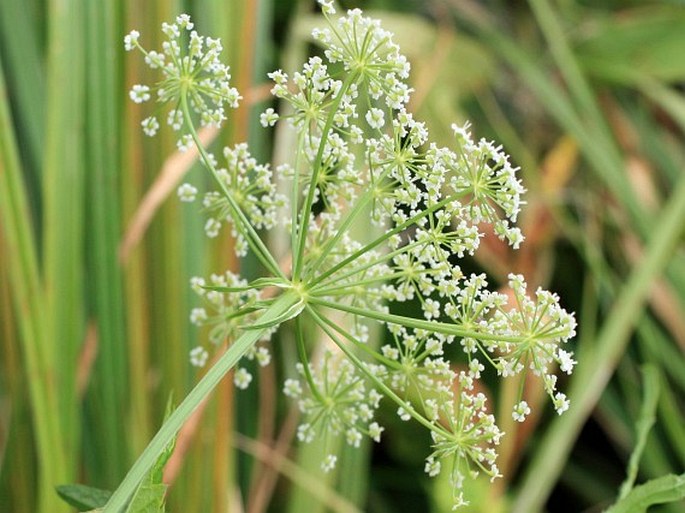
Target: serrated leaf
82	497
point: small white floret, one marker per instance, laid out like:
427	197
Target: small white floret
187	193
131	40
139	93
521	411
242	378
198	356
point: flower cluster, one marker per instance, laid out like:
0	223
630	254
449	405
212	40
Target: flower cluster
380	216
251	186
192	72
341	403
230	305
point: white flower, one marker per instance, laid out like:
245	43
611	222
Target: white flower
150	126
263	356
131	40
521	411
212	227
329	462
432	467
353	437
375	118
268	117
198	316
242	378
198	356
292	388
561	403
566	361
327	6
191	67
139	93
187	193
375	431
185	143
183	21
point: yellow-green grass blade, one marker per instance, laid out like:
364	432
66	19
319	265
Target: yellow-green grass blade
23	60
17	489
63	213
29	307
106	407
593	373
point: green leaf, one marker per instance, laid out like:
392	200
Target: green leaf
288	314
82	497
662	490
149	498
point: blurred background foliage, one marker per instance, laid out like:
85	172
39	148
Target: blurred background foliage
96	253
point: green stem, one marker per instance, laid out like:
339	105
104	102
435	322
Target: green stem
410	322
241	221
302	352
594	373
203	388
309	201
377	242
322	289
376	381
645	422
358	207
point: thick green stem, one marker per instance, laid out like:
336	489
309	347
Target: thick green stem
203	388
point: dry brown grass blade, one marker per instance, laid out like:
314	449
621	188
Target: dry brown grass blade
283	465
86	359
170	175
263	489
537	221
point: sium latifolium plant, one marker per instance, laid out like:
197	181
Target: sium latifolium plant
358	151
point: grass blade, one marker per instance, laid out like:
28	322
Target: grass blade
593	373
643	426
26	289
107	398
